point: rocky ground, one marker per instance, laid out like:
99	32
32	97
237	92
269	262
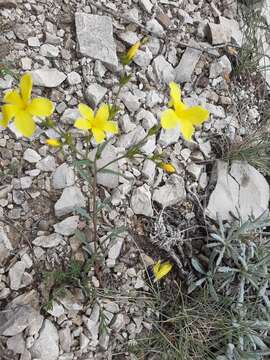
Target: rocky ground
72	56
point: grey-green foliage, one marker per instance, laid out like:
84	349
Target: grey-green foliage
239	271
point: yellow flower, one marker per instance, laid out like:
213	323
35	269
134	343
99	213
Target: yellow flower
161	269
53	143
132	51
169	168
98	123
18	105
182	116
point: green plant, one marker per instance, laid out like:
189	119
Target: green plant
254	148
250	54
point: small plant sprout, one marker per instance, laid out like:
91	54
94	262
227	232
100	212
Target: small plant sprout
20	107
179	115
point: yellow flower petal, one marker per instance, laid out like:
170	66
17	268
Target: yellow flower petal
169	119
40	107
13	97
53	142
195	115
24	123
98	134
111	127
161	269
133	50
26	87
86	112
8	112
82	124
102	115
175	97
169	168
187	129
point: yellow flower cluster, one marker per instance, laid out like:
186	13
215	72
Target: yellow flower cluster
19	106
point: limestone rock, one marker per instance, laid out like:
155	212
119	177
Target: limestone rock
242	190
16	318
141	201
109	177
170	193
16	275
48	241
47	77
63	177
95	38
187	64
31	156
46	346
94	94
71	199
68	226
163	70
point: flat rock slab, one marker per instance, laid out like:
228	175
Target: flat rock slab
240	191
95	38
172	192
49	78
16	319
47	345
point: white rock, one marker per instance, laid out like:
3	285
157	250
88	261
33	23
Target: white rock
169	136
149	170
107	179
118	323
127	140
48	241
146	5
68	226
47	77
16	344
143	58
220	68
63	177
31	156
129	37
187	65
195	170
47	164
26	182
172	192
74	78
56	310
126	124
71	199
16	318
5	245
242	190
154	26
49	51
94	94
131	101
115	249
6	82
65	339
15	275
95	38
46	346
93	325
70	115
33	41
141	201
164	71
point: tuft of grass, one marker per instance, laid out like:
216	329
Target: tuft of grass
254	148
250	55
